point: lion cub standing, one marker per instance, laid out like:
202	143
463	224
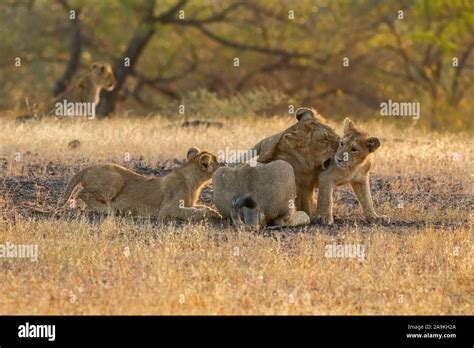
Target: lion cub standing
350	164
111	188
260	195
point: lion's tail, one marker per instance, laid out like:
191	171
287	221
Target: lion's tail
239	202
245	200
71	186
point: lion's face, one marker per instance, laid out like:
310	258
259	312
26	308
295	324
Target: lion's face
103	76
206	161
311	137
354	146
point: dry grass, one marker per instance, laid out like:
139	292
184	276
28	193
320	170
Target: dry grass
422	264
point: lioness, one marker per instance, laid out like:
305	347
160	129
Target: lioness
261	195
350	164
111	188
306	145
85	90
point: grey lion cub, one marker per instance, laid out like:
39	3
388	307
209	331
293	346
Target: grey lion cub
258	195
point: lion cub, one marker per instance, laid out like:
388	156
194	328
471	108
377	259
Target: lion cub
260	195
350	164
110	188
81	98
305	145
85	93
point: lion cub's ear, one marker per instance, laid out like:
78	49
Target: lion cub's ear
205	161
304	113
193	151
348	125
372	144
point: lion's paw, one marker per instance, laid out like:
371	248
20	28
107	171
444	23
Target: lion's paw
325	219
379	219
301	219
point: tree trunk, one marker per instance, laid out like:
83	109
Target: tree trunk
74	57
140	39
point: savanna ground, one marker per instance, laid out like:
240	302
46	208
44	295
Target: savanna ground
420	264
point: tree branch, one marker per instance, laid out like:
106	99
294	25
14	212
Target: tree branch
219	17
168	15
244	47
222	17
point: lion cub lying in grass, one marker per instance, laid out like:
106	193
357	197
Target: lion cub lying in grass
110	188
260	195
350	164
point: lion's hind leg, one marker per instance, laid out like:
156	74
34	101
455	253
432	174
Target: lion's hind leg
362	191
94	201
99	190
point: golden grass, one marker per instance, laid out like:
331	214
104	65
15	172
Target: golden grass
121	267
403	152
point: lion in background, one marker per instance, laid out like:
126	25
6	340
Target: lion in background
110	188
350	165
85	90
261	195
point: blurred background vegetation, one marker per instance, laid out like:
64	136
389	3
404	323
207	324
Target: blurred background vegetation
289	52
